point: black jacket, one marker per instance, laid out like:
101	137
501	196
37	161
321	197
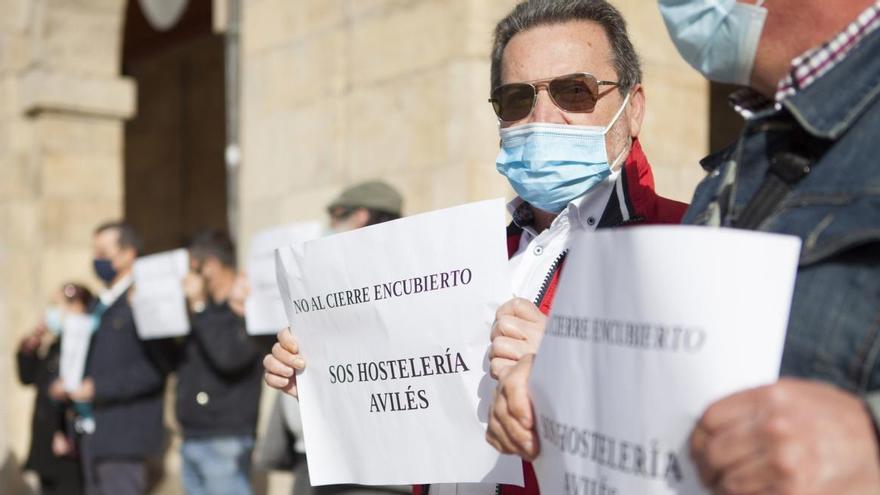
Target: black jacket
40	371
219	375
129	385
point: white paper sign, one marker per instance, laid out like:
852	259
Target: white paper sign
394	320
264	309
75	340
158	303
650	326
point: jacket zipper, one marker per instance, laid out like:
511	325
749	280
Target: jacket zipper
549	277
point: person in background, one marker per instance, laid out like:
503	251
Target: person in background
124	377
367	203
218	374
52	454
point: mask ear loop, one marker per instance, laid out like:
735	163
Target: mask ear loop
617	115
614	166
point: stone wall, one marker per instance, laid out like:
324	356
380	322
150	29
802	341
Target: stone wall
62	105
15	190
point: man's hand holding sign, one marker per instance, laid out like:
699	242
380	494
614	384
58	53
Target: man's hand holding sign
516	336
516	333
282	365
512	428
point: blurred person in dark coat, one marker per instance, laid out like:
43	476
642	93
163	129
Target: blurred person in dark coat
218	375
51	454
125	377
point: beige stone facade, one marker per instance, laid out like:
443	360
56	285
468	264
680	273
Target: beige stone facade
62	108
333	92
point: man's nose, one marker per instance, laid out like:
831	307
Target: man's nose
545	110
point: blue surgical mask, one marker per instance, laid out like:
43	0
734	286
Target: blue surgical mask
53	320
719	38
549	165
104	270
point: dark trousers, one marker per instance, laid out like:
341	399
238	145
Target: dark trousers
68	483
112	476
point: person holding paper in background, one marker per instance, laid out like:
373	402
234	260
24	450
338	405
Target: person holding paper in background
218	374
566	88
125	377
51	454
805	166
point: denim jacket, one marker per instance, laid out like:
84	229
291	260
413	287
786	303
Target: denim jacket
834	328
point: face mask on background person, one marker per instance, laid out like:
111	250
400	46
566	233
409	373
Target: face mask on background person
53	319
341	220
104	270
339	228
719	38
331	230
549	165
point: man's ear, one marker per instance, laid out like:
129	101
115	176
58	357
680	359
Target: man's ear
636	111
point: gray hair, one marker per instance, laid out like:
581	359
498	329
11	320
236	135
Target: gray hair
532	13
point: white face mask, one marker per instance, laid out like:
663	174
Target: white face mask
719	38
54	319
342	226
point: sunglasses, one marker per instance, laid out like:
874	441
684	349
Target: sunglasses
573	93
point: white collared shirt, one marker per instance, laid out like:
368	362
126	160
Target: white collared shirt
109	296
538	252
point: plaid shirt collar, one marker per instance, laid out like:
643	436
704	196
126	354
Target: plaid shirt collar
809	66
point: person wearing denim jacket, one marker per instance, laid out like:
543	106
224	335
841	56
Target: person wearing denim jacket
812	125
805	165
